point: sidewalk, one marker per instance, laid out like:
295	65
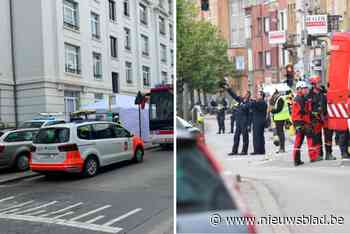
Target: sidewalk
221	145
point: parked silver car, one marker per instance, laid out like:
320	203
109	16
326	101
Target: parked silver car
15	147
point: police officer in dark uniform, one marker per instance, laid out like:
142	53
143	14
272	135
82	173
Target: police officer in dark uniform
242	121
233	116
259	112
221	106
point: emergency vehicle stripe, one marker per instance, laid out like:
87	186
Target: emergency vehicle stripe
329	110
334	108
343	110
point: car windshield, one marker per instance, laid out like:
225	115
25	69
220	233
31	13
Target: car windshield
52	136
36	124
199	187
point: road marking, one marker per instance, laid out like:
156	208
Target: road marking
37	208
6	198
62	215
61	210
109	223
95	219
68	223
36	213
90	212
15	206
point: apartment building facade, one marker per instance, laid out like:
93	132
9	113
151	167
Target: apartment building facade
68	53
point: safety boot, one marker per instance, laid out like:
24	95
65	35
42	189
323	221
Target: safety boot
329	156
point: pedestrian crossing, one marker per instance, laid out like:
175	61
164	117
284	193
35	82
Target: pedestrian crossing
77	215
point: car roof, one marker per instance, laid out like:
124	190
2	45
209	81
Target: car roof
77	124
22	130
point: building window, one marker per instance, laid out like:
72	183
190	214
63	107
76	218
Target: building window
205	5
97	61
146	75
114	47
128	72
266	24
127	43
98	97
112	12
171	32
145	45
161	4
72	57
95	25
143	14
281	20
115	82
164	77
240	63
260	24
70	14
267	58
170	4
126	5
162	25
163	54
261	60
172	57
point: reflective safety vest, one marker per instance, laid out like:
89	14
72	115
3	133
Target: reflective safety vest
284	113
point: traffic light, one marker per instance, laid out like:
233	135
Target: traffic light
290	74
205	5
317	64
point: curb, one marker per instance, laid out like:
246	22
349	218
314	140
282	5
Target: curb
15	178
268	203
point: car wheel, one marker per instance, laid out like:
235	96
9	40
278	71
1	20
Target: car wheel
90	167
138	156
22	162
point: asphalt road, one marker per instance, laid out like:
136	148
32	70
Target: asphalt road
273	186
123	198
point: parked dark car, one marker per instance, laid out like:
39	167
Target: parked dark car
15	148
202	188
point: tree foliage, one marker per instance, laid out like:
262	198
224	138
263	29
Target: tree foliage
201	53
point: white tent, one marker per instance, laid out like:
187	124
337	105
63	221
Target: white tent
271	88
128	113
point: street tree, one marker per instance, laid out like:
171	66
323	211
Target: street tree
202	58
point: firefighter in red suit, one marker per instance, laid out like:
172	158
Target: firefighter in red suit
301	118
318	113
327	132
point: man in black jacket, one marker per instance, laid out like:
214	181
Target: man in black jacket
259	112
242	121
221	115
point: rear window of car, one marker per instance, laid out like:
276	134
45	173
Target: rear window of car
52	136
31	124
199	187
20	136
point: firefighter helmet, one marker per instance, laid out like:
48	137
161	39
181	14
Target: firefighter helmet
314	80
301	85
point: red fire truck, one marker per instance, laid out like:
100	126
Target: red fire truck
161	115
338	96
339	82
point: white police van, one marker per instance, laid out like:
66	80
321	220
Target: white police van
43	120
